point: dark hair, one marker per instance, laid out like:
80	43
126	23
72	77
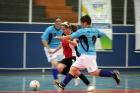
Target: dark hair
86	18
74	28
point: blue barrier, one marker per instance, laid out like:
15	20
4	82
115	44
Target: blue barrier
13	54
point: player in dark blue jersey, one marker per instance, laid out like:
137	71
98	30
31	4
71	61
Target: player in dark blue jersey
50	44
87	38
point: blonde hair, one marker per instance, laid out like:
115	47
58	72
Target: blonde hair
68	25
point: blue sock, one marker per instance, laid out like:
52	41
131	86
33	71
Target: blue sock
55	73
67	79
104	73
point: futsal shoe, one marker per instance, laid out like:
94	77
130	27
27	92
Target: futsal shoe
116	76
59	86
90	88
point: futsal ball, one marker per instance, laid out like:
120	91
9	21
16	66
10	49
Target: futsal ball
34	84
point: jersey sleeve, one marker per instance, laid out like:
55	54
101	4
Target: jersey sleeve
76	34
46	33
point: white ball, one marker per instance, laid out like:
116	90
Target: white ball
34	84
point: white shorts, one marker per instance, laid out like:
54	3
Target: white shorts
58	55
86	62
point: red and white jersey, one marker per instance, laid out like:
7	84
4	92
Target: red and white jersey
68	49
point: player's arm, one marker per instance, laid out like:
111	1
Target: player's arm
59	47
72	36
45	37
67	37
73	42
45	44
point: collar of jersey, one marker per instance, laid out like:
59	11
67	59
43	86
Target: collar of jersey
56	28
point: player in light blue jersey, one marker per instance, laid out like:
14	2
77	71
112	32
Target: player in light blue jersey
87	38
50	44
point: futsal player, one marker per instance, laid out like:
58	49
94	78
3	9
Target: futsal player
70	55
87	38
50	44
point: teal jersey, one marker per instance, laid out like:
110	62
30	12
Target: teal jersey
87	39
49	35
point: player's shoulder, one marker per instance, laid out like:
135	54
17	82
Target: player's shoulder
51	27
94	29
80	30
48	29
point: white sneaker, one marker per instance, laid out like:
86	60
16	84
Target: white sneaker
77	81
90	88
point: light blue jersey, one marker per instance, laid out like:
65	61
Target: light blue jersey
87	38
49	35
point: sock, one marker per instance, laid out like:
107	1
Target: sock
84	79
55	73
104	73
67	79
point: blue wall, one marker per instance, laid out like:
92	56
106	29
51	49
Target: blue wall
11	47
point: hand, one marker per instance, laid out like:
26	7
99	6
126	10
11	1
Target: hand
50	51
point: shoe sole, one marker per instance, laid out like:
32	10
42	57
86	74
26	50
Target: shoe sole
118	76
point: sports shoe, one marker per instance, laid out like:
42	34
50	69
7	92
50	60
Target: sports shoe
59	86
77	81
116	76
90	88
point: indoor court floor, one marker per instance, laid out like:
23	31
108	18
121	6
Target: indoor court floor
19	83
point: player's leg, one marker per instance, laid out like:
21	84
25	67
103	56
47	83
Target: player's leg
76	68
84	79
52	59
64	66
56	57
54	69
68	62
94	71
59	69
74	71
67	79
104	73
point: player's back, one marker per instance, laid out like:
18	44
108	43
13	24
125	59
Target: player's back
87	40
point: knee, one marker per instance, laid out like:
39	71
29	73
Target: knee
54	63
60	68
74	71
